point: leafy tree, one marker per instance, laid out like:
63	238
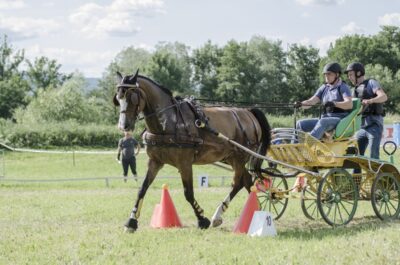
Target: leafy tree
170	66
13	87
206	60
253	72
387	47
388	82
44	74
352	48
382	48
303	71
127	62
65	104
272	75
12	95
230	70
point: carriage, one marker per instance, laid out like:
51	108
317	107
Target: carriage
331	178
181	133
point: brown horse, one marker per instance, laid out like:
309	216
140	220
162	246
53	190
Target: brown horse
173	138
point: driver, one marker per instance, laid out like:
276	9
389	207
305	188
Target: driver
335	97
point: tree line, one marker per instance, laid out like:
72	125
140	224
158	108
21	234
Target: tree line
258	70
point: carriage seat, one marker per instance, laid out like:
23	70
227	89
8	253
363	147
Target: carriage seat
349	124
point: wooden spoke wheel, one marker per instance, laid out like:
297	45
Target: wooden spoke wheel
385	195
271	193
337	197
309	203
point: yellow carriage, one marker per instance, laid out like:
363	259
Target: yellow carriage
326	181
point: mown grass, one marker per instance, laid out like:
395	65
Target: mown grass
82	222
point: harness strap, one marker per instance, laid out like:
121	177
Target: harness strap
179	111
177	140
240	126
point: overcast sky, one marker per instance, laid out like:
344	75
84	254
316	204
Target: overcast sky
86	35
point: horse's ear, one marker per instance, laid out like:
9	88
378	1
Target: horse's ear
133	79
115	101
119	76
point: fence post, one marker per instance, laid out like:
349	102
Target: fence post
107	184
3	175
73	157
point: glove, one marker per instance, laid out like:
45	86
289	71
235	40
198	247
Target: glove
297	104
329	104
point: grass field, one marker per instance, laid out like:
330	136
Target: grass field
82	222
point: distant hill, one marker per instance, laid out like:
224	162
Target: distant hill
92	83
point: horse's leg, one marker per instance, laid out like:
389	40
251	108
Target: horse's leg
241	179
247	180
187	181
153	167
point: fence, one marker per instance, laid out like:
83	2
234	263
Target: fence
2	165
106	179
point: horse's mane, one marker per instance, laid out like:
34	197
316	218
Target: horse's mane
166	90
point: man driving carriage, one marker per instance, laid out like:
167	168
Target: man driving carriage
335	97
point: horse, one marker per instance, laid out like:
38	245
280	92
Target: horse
173	136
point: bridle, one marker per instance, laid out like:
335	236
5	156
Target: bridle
136	89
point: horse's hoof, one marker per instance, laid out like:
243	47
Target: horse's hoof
129	230
204	223
131	225
217	222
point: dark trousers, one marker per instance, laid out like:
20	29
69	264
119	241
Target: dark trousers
129	162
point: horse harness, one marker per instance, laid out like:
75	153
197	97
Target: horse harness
190	139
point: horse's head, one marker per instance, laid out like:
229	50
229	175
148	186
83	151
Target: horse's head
130	100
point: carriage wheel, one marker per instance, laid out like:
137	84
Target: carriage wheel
337	197
309	203
271	194
385	195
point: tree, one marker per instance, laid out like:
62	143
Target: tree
44	74
206	60
234	73
170	66
387	46
67	103
388	82
382	48
303	71
13	87
271	62
127	62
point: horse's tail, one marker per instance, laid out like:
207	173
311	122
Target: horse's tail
255	163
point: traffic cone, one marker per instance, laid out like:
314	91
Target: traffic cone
243	224
164	214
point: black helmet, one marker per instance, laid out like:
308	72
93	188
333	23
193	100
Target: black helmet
356	67
332	67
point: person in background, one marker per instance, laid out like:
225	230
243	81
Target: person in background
372	98
334	96
126	146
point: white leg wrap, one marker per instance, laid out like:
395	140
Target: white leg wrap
216	220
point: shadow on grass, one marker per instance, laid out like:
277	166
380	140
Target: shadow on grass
321	230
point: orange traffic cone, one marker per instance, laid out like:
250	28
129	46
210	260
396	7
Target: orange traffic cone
243	224
164	214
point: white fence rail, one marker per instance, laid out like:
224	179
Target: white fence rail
73	152
105	179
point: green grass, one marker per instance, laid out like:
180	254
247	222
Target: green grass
82	222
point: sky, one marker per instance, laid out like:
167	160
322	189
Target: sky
86	35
